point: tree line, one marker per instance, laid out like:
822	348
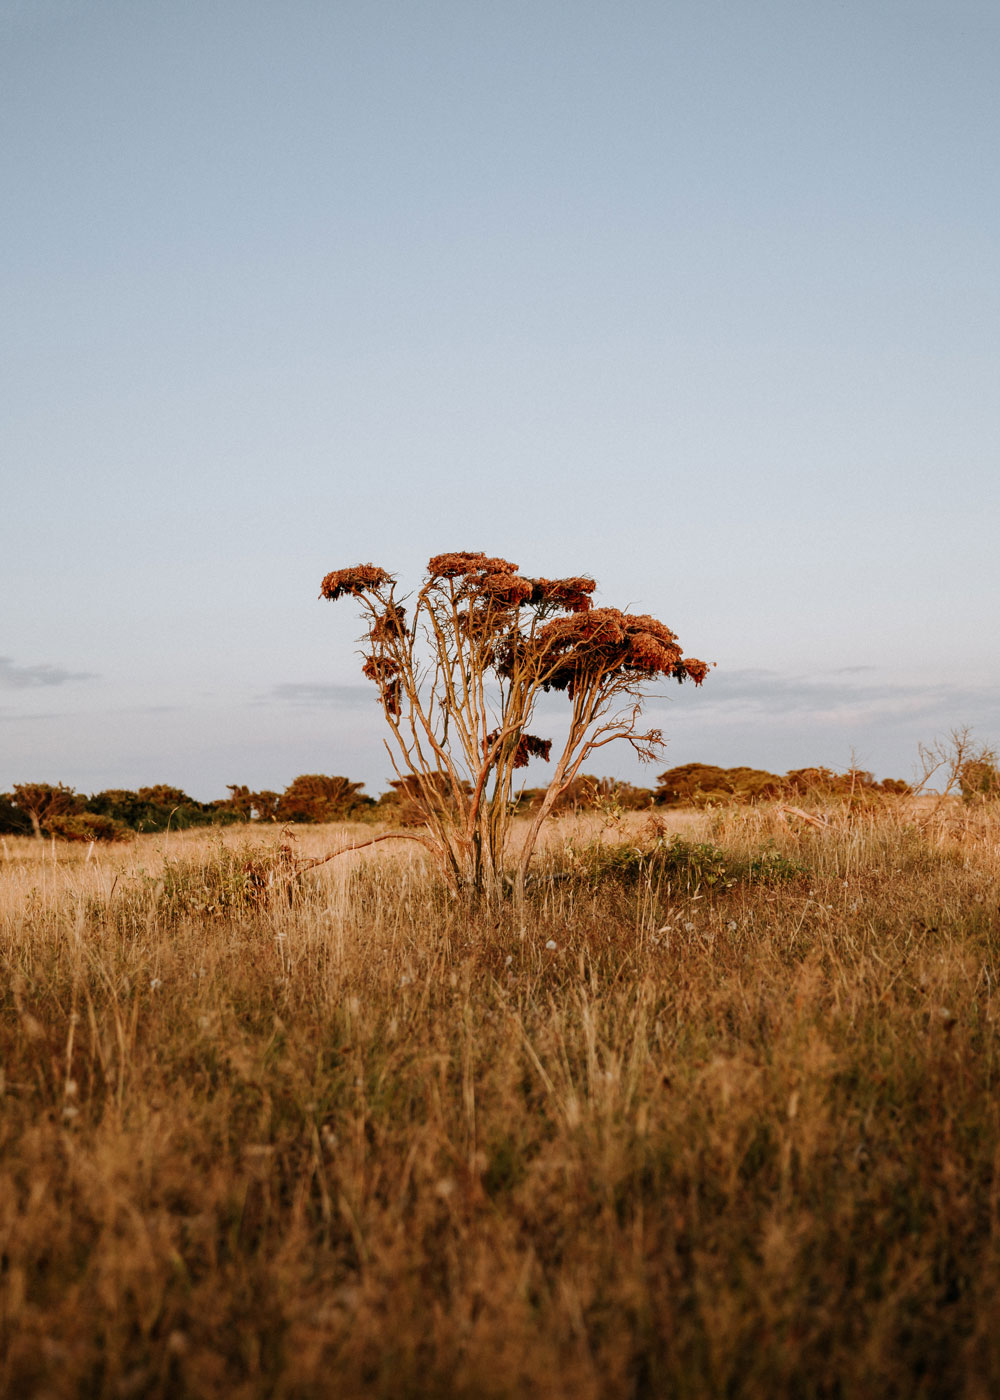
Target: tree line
57	810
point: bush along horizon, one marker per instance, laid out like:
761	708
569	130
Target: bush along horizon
47	809
119	813
459	667
700	784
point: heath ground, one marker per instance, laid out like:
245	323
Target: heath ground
712	1111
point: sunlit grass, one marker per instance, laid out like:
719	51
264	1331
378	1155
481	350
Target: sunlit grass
644	1135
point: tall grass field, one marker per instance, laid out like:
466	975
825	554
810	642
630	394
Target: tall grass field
714	1110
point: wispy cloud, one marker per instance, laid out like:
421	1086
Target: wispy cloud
848	697
32	677
837	698
318	693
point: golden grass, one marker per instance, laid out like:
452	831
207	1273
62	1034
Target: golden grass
715	1141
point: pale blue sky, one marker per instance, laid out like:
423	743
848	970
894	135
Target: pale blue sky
702	298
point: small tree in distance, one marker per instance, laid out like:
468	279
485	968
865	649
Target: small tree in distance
264	805
314	797
42	801
459	668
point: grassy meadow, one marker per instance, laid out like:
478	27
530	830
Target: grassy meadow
719	1120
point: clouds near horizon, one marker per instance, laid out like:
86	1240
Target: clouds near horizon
13	677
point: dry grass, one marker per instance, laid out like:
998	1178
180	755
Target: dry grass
728	1140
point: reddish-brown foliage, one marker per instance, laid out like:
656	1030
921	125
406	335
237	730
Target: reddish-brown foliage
389	626
568	593
384	671
697	670
380	668
464	563
392	694
359	578
604	640
507	590
528	746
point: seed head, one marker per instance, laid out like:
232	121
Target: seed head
568	594
360	578
380	668
464	564
602	641
505	589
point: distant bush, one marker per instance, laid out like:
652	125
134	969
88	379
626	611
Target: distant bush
45	808
158	808
87	826
825	783
314	797
264	805
586	794
698	784
119	805
250	806
979	778
13	821
410	799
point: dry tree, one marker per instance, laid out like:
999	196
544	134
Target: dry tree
459	668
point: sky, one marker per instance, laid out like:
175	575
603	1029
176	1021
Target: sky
700	297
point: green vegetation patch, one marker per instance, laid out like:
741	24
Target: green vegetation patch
686	865
230	882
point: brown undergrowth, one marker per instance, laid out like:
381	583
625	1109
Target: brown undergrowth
713	1113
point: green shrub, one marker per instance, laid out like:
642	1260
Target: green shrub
979	778
159	808
230	883
13	822
685	865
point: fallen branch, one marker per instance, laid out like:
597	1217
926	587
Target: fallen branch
345	850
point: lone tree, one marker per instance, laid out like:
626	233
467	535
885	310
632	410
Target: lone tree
459	667
314	797
42	801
